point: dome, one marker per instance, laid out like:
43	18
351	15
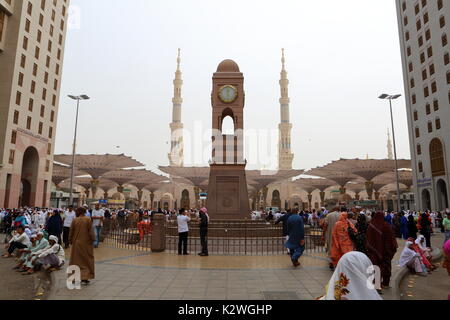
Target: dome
228	66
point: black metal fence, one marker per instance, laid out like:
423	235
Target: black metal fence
225	237
127	233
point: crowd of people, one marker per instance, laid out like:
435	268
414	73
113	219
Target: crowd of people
354	239
367	239
35	237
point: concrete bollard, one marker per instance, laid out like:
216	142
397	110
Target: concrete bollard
159	233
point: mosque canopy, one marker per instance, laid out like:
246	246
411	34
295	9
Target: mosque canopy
196	175
61	173
405	177
356	187
145	178
98	165
263	178
340	177
367	168
310	184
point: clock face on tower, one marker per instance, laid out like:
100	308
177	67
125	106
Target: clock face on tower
228	94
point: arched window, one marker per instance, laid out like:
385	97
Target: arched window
437	158
228	126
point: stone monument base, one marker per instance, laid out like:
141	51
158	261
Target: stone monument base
227	192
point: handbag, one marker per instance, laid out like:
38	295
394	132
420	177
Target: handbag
352	234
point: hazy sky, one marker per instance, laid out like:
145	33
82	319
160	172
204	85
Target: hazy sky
340	56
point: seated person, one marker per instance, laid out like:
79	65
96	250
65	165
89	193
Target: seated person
51	257
411	259
349	280
40	244
19	241
425	253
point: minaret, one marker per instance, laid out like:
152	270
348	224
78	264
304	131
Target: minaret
389	147
285	156
176	127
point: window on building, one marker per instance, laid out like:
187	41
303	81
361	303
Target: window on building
50	132
18	97
412	83
11	156
433	87
432	70
420	167
13	137
427	109
23	61
448	77
30	104
418	25
440	4
442	21
2	23
424	3
405	21
428	34
417	133
446	58
35	69
27	25
42	110
420	41
408	51
414	99
416	115
430	127
39	36
28	123
404	5
20	82
30	8
426	92
407	35
430	52
47	165
422	57
444	40
25	43
426	18
411	68
40	127
436	105
419	150
49	149
33	86
438	123
16	117
424	74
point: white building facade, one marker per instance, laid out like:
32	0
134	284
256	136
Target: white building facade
424	28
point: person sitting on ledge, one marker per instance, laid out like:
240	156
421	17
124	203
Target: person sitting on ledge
19	241
51	258
411	259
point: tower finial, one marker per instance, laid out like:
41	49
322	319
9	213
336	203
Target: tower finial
283	59
179	59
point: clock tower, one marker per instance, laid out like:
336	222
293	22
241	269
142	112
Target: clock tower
227	191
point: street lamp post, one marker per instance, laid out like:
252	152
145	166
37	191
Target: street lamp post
77	98
390	98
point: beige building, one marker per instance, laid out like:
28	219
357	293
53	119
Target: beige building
32	37
424	27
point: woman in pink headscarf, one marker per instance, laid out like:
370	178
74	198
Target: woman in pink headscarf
341	238
446	250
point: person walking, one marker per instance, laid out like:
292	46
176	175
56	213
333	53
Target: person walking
97	216
425	227
54	225
296	233
204	221
81	238
342	243
446	227
412	227
381	246
67	222
183	231
328	226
